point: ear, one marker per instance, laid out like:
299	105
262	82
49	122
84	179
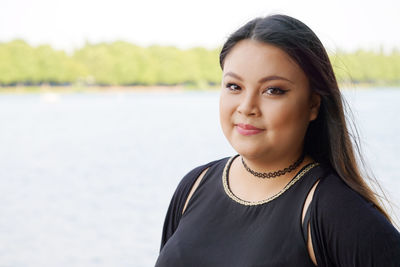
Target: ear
315	102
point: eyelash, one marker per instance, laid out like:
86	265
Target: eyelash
281	91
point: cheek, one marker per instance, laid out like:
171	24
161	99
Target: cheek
226	110
291	118
226	107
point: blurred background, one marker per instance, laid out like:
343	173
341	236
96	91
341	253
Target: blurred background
106	105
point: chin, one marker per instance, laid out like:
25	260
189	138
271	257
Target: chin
248	151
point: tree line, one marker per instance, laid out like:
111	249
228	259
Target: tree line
122	63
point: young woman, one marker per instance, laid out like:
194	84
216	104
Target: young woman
293	195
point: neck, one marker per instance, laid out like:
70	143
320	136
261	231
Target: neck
247	182
274	174
267	164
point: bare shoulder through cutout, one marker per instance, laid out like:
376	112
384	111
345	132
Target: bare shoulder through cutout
194	187
305	207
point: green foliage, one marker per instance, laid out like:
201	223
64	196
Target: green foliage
122	63
22	64
376	68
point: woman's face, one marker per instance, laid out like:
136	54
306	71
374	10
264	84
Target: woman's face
262	87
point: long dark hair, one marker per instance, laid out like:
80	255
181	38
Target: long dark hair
328	139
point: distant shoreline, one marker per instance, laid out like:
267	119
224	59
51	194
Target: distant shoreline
144	89
97	89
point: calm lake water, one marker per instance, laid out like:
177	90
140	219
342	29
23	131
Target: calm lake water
86	179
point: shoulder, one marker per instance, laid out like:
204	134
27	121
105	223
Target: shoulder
190	178
337	203
333	193
177	202
188	181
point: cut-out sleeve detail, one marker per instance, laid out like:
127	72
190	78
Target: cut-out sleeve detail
305	223
174	212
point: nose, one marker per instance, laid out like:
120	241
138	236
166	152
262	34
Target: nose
249	105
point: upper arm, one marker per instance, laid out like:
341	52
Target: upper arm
194	187
177	204
347	230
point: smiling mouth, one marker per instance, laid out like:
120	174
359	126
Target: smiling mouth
247	129
247	126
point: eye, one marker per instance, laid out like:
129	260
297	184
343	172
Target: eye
275	91
232	87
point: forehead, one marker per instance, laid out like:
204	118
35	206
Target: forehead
252	58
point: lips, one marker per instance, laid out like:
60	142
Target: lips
247	129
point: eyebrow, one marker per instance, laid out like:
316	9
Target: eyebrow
265	79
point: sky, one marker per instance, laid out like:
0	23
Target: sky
69	24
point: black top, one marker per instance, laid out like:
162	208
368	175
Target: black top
219	229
